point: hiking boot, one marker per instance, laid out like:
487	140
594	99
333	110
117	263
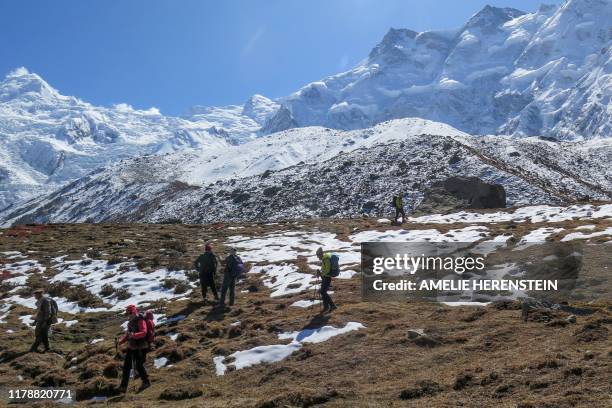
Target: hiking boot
144	386
332	308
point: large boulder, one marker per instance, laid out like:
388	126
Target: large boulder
456	193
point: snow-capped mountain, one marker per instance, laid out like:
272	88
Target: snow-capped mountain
503	72
47	139
545	73
318	171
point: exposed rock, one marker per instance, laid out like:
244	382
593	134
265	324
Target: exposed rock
462	192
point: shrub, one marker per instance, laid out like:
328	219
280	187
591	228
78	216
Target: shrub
178	246
177	265
74	293
122	293
181	287
170	283
180	393
107	290
192	275
115	260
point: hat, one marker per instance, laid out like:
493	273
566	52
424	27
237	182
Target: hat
208	247
131	309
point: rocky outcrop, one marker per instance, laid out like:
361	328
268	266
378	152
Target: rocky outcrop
462	192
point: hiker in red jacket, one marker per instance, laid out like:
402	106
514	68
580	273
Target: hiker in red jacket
137	344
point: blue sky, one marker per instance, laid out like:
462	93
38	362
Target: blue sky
175	54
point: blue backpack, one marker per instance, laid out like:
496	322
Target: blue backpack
334	266
239	268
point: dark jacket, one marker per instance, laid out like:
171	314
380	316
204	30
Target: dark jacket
206	263
43	311
231	266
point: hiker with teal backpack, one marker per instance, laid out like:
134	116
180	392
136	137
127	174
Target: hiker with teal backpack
234	267
46	315
330	268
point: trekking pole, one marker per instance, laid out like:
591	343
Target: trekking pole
319	293
314	295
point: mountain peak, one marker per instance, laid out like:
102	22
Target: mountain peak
392	43
21	81
490	17
259	108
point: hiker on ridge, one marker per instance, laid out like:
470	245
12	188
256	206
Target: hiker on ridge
206	265
233	268
326	278
398	203
136	338
46	315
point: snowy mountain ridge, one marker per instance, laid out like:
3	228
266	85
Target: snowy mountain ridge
503	72
320	172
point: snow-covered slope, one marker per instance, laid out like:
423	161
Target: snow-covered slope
503	72
311	172
48	140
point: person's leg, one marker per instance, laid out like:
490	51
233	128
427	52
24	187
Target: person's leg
224	288
37	338
525	311
332	305
45	336
213	287
203	286
396	214
325	282
139	358
127	367
232	292
403	215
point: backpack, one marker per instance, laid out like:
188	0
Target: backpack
238	267
394	201
334	266
53	309
149	320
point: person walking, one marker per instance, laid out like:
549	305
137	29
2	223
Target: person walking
233	268
398	203
137	344
206	265
46	315
326	278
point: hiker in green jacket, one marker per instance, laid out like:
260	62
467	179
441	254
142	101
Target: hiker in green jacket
325	258
398	203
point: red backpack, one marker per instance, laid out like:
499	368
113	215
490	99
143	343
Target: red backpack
150	321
